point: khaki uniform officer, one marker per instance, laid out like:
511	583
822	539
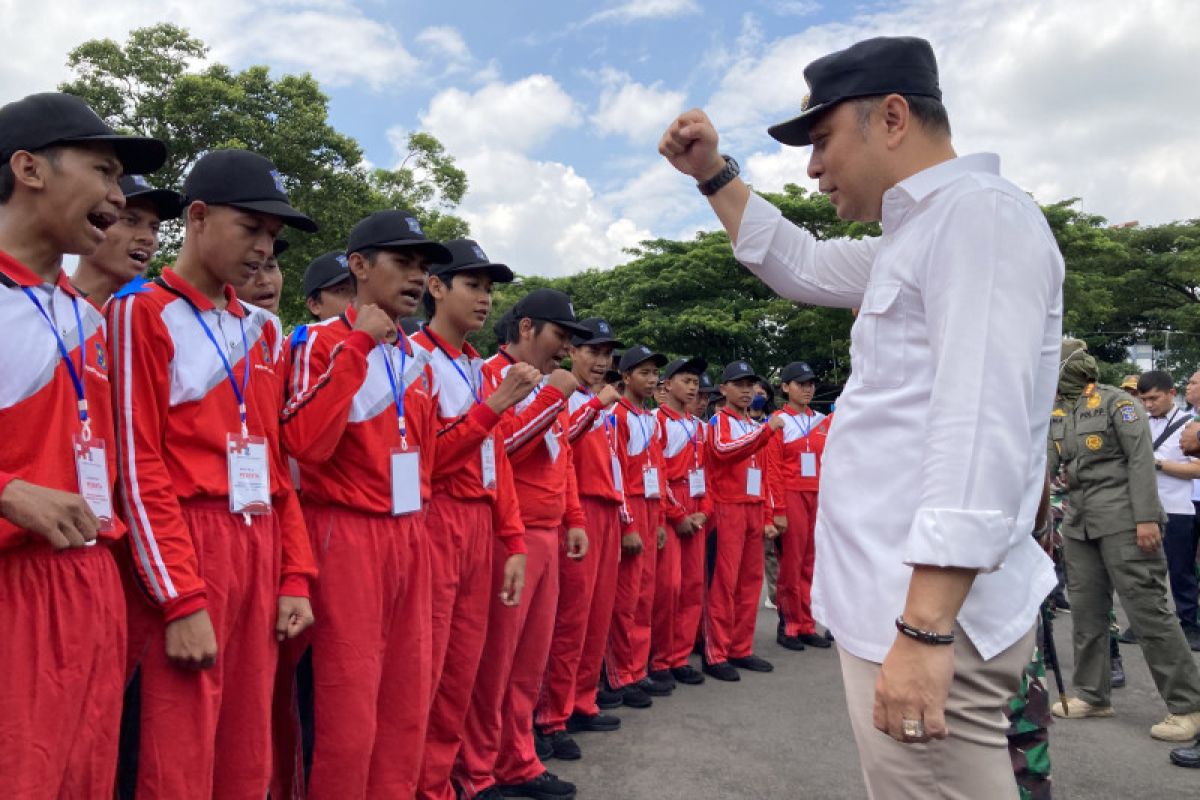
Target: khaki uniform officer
1112	539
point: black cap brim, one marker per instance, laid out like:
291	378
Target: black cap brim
139	155
737	376
597	340
794	132
334	280
167	204
695	366
575	329
290	216
499	273
436	252
659	360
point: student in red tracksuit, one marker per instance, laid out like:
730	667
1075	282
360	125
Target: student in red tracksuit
643	471
62	609
586	586
794	467
363	427
679	603
473	502
219	543
737	459
498	747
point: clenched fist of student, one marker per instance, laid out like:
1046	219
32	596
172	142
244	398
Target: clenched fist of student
63	519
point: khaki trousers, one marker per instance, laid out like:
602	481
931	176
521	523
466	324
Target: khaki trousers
973	761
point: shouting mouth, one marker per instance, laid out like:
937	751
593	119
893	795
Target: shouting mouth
101	221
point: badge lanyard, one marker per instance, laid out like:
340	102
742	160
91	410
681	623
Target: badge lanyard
76	375
642	425
805	430
238	391
475	392
397	389
692	434
742	431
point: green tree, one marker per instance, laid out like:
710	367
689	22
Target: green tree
153	85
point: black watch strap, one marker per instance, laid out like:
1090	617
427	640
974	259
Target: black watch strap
721	179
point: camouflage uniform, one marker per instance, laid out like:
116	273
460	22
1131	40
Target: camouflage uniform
1029	730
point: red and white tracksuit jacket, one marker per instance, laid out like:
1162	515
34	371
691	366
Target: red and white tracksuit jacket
68	603
203	732
794	465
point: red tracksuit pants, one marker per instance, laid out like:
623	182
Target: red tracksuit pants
587	588
62	662
732	608
679	592
461	541
372	677
629	638
793	590
498	742
207	733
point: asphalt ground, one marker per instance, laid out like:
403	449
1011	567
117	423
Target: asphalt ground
786	735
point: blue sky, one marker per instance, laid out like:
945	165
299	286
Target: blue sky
554	109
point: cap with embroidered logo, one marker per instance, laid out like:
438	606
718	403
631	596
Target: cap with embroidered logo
393	230
692	366
638	355
244	180
467	256
602	333
736	370
325	271
798	371
550	305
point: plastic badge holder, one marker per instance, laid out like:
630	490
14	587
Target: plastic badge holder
249	477
406	481
91	470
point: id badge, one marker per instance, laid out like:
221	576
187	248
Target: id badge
406	481
754	481
696	482
91	469
249	477
808	465
618	480
487	458
553	446
650	482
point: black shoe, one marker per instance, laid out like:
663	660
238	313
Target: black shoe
490	793
753	663
814	640
722	671
546	786
608	699
634	697
1061	604
581	723
1187	756
688	674
563	746
1127	637
1118	673
542	746
791	642
655	688
829	636
663	676
1193	638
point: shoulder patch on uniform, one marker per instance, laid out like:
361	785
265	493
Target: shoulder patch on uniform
136	286
1058	412
1129	413
1093	442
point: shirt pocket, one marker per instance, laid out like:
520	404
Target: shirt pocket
881	336
1093	434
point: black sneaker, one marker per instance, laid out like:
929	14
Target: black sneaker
722	671
563	746
688	674
813	640
633	696
582	723
490	793
791	642
541	746
664	676
753	663
1118	673
829	635
655	688
608	699
546	786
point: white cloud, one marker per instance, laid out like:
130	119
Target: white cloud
644	9
517	116
635	110
795	8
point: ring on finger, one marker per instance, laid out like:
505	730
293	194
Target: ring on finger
912	728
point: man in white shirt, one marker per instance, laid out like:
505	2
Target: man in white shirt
1176	473
933	473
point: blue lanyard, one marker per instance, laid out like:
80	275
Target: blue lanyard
76	375
807	429
238	392
454	363
691	434
642	425
397	390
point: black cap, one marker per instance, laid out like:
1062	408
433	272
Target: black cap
325	271
243	180
706	384
410	325
53	118
737	370
797	371
503	326
884	65
281	247
639	354
386	230
167	204
466	254
550	305
695	366
602	333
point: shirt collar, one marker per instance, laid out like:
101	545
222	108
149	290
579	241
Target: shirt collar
503	353
350	316
671	413
624	401
26	278
190	293
787	409
734	415
449	349
905	195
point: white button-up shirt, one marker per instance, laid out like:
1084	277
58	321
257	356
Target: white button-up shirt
937	454
1175	494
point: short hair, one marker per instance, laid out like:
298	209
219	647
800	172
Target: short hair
1155	379
8	180
928	111
427	301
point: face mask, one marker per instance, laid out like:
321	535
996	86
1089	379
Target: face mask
758	403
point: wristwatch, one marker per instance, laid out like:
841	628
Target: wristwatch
721	179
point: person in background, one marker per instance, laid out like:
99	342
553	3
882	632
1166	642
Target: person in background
1130	384
264	287
328	285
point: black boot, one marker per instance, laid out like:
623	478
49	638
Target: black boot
1118	673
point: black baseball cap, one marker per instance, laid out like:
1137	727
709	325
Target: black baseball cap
797	371
502	327
694	366
54	118
602	333
410	325
325	271
467	255
639	354
551	305
706	384
883	65
244	180
281	247
167	204
737	370
389	230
